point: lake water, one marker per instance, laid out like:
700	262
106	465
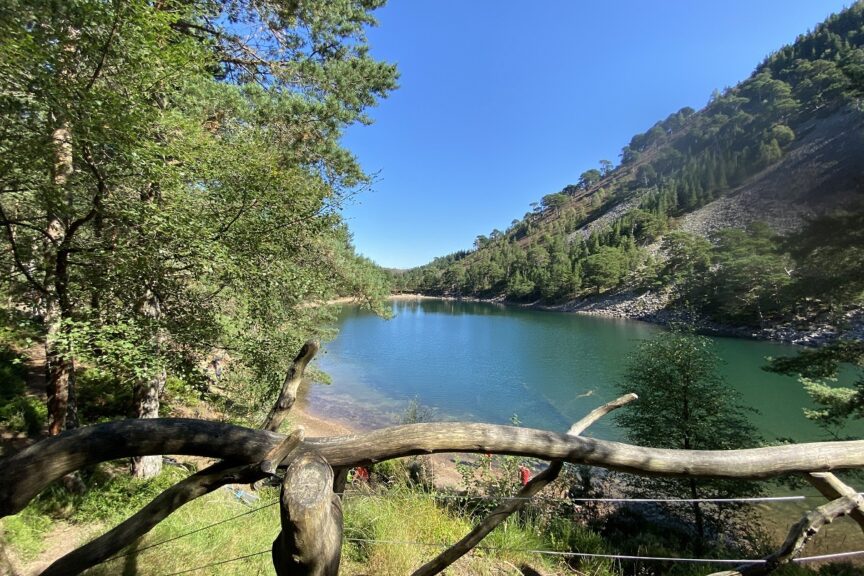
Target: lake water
486	362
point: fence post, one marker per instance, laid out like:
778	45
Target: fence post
310	543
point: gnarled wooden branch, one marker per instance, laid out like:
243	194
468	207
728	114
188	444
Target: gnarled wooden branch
310	543
288	394
26	473
167	503
832	488
145	519
278	455
508	507
799	535
592	417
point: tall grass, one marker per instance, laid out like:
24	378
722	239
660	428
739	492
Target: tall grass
417	527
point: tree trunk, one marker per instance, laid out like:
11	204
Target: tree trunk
60	369
697	514
60	377
310	543
147	398
149	392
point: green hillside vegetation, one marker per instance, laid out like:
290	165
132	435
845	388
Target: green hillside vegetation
170	187
171	177
602	233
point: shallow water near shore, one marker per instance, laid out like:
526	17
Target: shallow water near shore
486	362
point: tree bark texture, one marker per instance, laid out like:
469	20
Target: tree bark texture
178	495
60	376
60	368
832	488
288	393
148	392
26	473
310	543
508	507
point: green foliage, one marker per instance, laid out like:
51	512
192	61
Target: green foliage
490	479
102	396
684	403
605	269
202	174
829	259
680	164
23	414
817	371
18	412
688	261
751	274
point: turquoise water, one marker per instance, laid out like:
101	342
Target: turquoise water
486	362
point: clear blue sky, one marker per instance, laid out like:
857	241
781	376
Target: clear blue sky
501	102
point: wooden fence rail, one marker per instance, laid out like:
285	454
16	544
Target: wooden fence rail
247	455
310	540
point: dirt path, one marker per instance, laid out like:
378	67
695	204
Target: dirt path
62	539
11	442
36	367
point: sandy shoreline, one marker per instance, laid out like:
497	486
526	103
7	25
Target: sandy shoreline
316	426
650	308
446	476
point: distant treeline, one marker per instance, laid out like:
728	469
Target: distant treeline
591	236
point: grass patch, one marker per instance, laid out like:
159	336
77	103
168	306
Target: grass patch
402	516
397	515
242	536
112	495
25	532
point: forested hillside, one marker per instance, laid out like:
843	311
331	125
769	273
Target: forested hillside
748	210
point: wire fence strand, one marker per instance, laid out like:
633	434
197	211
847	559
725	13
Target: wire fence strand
191	532
802	559
218	563
744	500
441	495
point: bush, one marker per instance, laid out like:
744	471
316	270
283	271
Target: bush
18	412
101	397
23	414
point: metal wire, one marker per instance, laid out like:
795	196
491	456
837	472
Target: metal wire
189	533
753	499
616	556
219	563
528	551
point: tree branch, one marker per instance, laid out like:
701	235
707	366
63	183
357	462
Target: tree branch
167	503
16	257
599	412
288	394
114	26
26	473
832	488
508	507
801	533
